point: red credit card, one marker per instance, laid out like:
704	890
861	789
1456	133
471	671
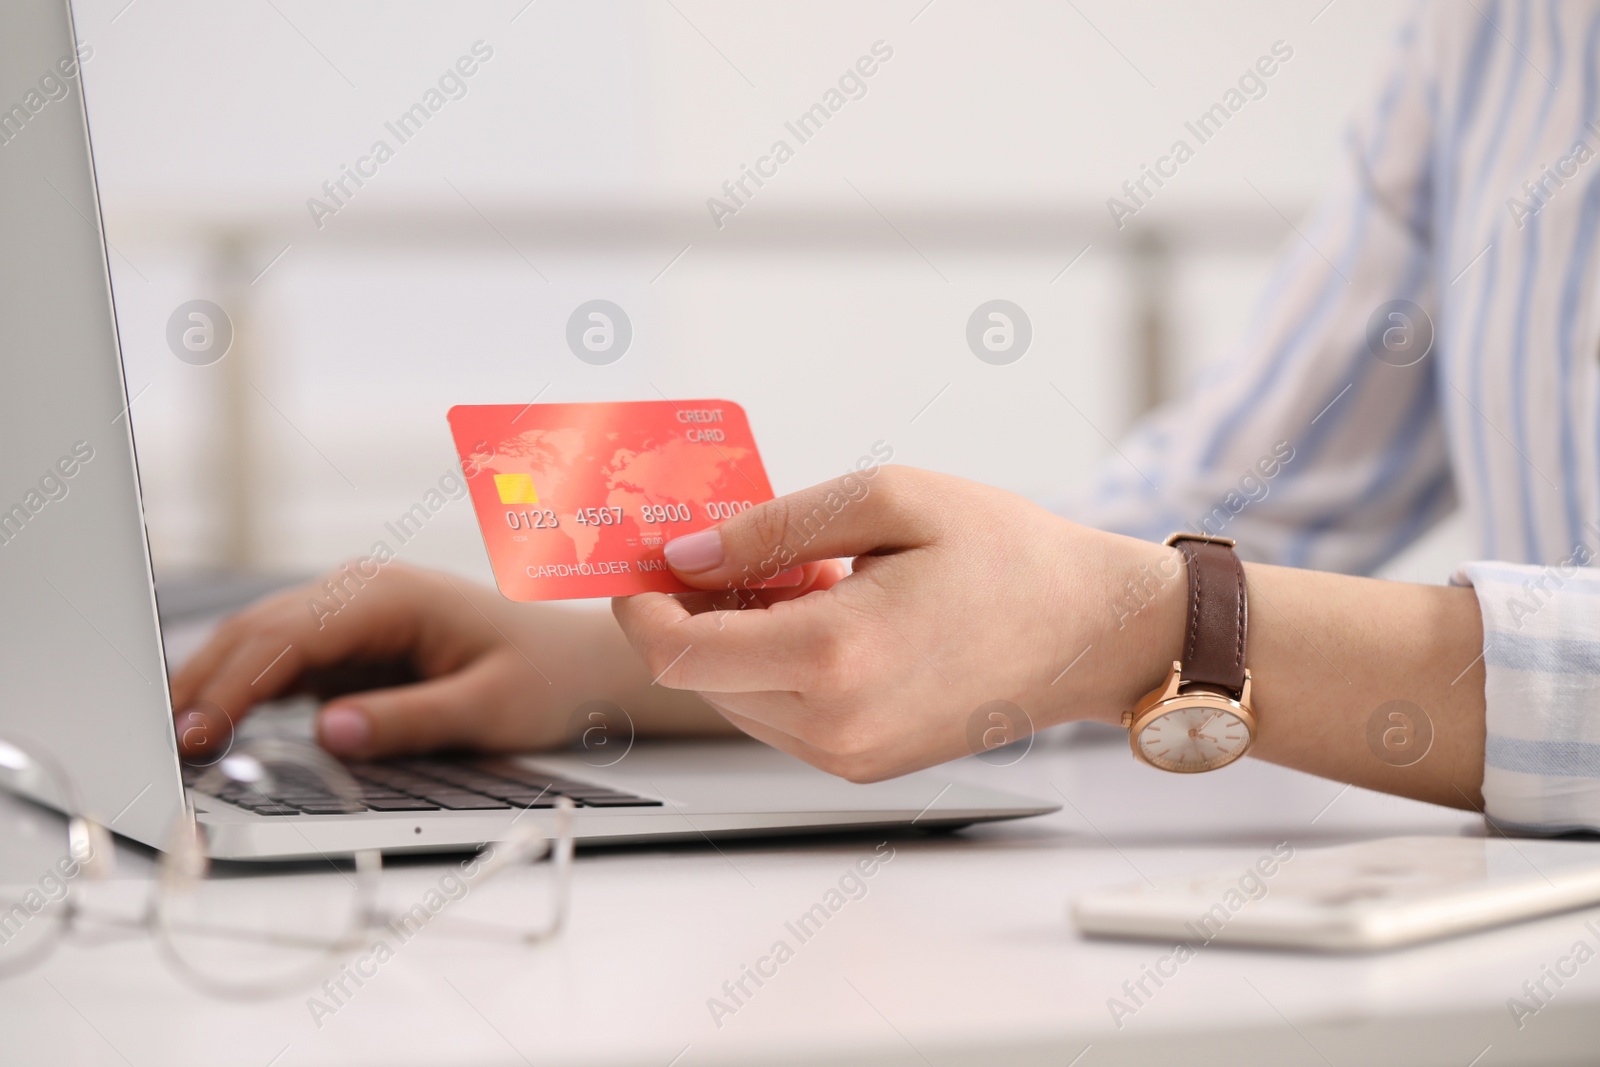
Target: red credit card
576	500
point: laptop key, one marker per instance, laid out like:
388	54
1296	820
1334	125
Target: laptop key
507	790
256	800
620	802
336	807
393	779
523	789
544	800
400	804
274	809
479	783
511	772
465	802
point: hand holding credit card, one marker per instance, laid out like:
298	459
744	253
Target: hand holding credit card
577	500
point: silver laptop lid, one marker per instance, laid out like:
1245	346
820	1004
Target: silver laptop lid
81	667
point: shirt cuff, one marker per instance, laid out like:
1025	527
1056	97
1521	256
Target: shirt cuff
1541	657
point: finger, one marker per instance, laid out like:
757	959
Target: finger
185	681
442	712
202	728
733	709
255	667
259	655
782	721
786	721
783	647
205	708
813	577
848	516
220	644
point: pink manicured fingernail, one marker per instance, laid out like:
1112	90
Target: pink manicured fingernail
696	552
791	577
344	730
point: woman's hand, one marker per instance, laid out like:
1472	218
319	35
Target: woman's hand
413	660
961	595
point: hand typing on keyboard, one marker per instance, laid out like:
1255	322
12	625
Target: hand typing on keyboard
411	661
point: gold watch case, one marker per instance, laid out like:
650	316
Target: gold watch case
1165	704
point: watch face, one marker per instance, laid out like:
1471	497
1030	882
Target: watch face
1197	738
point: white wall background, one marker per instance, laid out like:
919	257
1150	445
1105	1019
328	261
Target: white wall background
833	306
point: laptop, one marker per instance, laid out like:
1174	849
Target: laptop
82	663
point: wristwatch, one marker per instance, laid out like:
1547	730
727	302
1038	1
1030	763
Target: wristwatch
1200	718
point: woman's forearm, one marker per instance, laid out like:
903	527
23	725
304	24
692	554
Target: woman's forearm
1353	674
1376	683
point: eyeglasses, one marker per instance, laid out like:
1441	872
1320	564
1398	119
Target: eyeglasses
251	936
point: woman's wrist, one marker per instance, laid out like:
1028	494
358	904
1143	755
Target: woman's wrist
1140	595
1328	653
1338	661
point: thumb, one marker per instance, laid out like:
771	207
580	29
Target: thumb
859	513
440	712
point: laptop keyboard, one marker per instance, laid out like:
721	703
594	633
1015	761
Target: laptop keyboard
424	785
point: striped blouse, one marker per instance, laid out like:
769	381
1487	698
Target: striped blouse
1431	341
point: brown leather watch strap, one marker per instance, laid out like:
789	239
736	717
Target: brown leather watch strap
1218	618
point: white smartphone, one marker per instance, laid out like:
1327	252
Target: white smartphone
1355	898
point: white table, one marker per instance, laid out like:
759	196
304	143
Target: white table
960	953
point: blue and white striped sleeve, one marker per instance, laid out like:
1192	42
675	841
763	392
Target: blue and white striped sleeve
1541	658
1308	449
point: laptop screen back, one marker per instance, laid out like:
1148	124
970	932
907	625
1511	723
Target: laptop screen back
81	669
